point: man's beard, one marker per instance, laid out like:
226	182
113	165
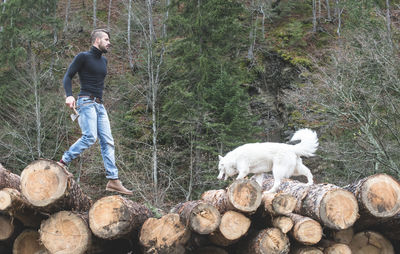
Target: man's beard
103	49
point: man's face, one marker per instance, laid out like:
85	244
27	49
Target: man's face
103	42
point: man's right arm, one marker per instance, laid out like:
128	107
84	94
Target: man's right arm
73	68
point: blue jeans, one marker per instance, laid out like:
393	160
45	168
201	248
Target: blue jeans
93	120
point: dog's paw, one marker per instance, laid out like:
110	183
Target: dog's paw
310	183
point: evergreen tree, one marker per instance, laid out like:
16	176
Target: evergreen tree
205	107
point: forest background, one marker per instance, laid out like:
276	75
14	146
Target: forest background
188	80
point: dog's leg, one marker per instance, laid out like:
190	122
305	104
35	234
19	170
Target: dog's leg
259	179
243	169
303	170
277	173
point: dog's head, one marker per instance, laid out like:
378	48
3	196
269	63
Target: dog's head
226	168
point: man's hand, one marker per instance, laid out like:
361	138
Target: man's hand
70	101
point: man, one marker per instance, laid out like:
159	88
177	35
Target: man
93	119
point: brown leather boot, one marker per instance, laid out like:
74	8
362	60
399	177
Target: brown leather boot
64	167
116	185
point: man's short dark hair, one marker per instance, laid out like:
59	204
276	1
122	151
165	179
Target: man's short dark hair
96	33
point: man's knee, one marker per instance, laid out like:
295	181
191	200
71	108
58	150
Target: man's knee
89	139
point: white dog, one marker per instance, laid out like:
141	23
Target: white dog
282	159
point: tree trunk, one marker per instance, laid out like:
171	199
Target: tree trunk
278	203
164	235
209	250
284	223
242	195
12	202
202	218
319	201
28	242
47	186
370	242
306	230
66	232
377	196
267	241
8	179
113	217
233	226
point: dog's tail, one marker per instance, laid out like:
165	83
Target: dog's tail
308	142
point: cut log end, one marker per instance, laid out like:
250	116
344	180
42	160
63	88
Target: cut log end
370	242
234	225
204	218
306	230
273	241
65	232
43	182
245	195
339	209
380	194
114	216
6	198
164	234
307	250
6	226
338	248
28	242
284	223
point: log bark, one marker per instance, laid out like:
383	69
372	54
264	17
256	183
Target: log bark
266	241
306	230
28	242
47	186
66	232
320	202
209	250
233	226
164	235
370	242
242	195
284	223
114	217
378	195
13	203
8	179
202	217
278	203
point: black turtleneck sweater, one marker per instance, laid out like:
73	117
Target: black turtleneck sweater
92	69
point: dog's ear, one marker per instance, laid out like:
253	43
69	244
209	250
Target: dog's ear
220	157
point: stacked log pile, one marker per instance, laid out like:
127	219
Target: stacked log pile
45	211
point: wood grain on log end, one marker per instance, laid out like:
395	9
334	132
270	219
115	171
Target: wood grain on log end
43	182
28	242
114	216
338	248
245	195
204	218
279	203
6	226
380	194
270	241
370	242
306	230
339	209
164	234
65	232
284	223
233	226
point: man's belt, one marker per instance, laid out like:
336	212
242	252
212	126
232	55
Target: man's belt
96	99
